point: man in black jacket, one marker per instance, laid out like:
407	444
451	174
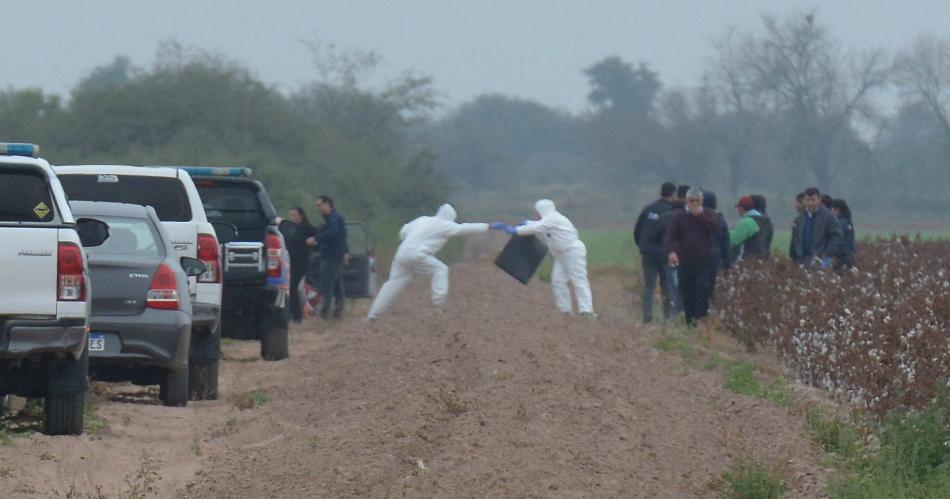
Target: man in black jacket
647	233
331	243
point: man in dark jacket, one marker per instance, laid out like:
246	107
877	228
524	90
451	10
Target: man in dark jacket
722	256
817	232
647	235
690	240
677	205
331	243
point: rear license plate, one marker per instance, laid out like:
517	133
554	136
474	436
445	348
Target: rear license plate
97	342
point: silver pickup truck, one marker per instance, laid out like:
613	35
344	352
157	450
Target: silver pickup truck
44	289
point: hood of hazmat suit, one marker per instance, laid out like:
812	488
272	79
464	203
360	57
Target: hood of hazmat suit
425	236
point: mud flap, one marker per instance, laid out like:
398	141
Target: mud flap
206	346
64	376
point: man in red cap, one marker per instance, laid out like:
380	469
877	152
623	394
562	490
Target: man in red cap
748	238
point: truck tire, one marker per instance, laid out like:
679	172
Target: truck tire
203	365
274	336
203	379
174	389
65	402
63	413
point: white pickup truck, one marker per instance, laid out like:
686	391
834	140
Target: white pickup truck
173	195
44	289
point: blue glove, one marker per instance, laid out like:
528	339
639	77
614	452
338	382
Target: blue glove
511	230
497	226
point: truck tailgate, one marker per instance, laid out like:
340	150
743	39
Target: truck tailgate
28	274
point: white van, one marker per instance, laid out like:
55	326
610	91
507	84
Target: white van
175	199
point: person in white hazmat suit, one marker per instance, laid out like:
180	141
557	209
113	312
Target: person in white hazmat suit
570	256
421	239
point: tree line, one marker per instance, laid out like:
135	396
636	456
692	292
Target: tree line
779	107
190	107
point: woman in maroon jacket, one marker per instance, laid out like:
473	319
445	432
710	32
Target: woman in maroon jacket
690	240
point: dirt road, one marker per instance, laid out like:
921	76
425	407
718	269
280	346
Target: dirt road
497	395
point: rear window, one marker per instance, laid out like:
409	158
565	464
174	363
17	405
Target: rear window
235	204
166	195
130	236
24	197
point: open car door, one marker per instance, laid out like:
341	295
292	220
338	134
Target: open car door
359	277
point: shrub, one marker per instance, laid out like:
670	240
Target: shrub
875	335
749	479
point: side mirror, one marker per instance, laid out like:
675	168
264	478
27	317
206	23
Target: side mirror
92	232
193	267
226	232
288	228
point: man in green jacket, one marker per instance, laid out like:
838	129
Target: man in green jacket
748	238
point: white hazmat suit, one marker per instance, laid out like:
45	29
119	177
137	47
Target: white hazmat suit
421	239
570	256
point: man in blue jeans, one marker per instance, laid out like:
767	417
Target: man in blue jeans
331	243
648	235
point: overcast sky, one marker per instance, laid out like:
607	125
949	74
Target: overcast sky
527	48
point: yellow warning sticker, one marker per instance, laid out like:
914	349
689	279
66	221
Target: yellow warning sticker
41	210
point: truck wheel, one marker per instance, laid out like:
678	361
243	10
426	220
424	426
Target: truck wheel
274	337
64	413
173	390
203	379
65	403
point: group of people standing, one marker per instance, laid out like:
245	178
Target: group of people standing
685	241
319	252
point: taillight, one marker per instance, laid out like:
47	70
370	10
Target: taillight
71	283
208	253
163	293
274	248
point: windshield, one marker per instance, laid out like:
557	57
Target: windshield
167	195
130	236
24	197
235	204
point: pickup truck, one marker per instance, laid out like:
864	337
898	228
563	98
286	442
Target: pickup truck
256	266
172	194
45	295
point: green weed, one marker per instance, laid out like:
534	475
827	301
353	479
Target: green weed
831	433
913	460
95	425
144	482
249	400
741	378
749	479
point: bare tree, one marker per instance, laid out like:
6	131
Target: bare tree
922	73
797	73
